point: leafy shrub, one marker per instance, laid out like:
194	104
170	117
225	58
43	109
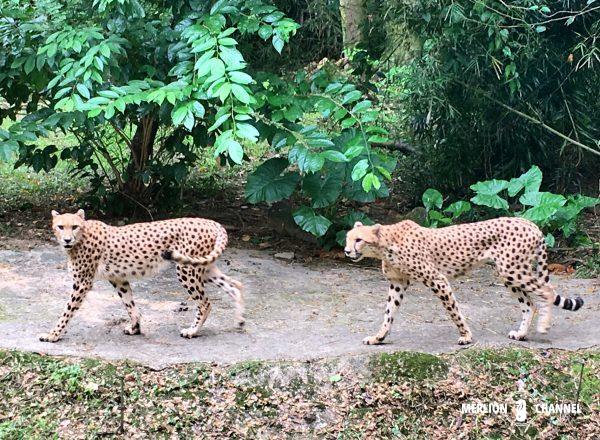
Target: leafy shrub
520	196
492	88
143	87
433	199
323	164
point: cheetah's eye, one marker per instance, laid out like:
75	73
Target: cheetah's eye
75	227
61	227
358	240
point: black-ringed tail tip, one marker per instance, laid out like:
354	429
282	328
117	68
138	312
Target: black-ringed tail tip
568	303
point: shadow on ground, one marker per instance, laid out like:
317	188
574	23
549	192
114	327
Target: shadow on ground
294	312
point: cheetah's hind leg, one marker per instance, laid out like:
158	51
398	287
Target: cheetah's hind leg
527	309
192	280
233	288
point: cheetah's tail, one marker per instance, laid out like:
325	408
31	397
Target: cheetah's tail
543	274
568	303
220	243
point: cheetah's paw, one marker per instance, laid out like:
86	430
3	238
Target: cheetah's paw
132	330
49	337
372	340
465	340
189	333
514	334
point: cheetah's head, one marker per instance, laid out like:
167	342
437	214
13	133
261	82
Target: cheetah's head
362	241
67	227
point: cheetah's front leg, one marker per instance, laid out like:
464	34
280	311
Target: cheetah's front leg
80	290
395	297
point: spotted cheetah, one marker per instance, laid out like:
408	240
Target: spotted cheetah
96	250
411	252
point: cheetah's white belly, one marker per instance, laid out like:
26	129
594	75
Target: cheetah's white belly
110	269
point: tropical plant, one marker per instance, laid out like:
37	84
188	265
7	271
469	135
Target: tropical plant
520	196
433	202
329	162
142	85
144	88
553	213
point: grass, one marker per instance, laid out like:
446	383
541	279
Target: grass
398	395
409	365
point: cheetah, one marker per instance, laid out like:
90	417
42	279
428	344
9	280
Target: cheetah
96	250
410	252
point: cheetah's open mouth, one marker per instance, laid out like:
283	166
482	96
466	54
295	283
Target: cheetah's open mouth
67	246
357	258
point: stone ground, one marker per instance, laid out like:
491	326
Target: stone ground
294	312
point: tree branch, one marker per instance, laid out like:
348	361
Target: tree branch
531	119
396	146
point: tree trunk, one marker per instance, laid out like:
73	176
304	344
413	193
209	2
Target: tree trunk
353	18
142	146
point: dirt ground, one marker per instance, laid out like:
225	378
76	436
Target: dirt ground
295	311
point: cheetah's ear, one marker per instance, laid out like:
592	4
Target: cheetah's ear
375	231
357	224
54	213
372	236
81	213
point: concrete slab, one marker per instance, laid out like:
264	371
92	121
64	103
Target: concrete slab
294	312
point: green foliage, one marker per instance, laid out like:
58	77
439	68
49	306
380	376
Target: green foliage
553	213
142	87
269	184
327	161
145	88
68	377
492	88
433	202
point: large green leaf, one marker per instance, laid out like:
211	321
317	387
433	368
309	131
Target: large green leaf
269	183
583	202
458	208
491	201
323	189
542	198
432	198
531	181
490	186
310	221
544	206
307	160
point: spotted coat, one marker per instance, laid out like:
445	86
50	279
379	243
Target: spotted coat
96	250
410	252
